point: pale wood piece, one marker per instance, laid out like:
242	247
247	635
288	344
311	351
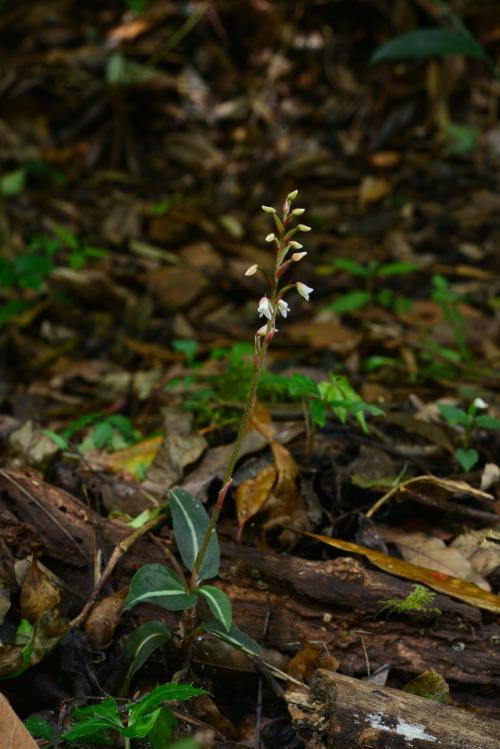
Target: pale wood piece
338	712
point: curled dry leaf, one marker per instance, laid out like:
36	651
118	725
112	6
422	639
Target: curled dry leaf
103	619
38	593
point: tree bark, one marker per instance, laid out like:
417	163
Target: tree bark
344	713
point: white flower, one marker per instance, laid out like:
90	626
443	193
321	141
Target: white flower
298	256
270	237
265	309
298	211
268	209
252	270
283	307
479	403
292	195
303	290
303	227
295	245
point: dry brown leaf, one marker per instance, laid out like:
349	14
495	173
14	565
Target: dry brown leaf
14	734
450	586
481	548
252	495
307	660
104	618
38	593
373	189
432	553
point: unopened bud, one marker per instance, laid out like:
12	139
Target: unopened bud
268	209
303	227
252	270
270	237
298	256
292	195
295	245
298	211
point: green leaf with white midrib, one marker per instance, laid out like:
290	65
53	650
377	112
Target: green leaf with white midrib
155	583
146	639
218	603
190	521
430	42
234	637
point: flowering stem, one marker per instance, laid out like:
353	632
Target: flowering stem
269	308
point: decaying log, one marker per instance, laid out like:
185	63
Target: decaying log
333	603
339	712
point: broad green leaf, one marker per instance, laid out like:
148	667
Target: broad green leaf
61	443
187	347
487	422
350	266
430	42
318	412
350	302
453	415
40	728
102	434
234	637
161	694
190	521
155	583
105	710
218	603
13	183
146	639
159	736
467	458
66	236
396	269
302	386
91	729
140	725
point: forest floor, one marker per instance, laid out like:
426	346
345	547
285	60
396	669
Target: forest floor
361	534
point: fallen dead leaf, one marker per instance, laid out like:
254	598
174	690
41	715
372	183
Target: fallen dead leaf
14	734
450	586
104	618
432	553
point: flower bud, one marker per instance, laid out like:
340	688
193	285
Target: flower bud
292	195
270	237
298	256
252	270
295	245
298	211
303	227
268	209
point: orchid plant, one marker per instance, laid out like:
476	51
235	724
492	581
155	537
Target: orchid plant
194	530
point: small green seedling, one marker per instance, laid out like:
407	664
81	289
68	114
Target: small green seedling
449	303
78	252
111	433
104	722
372	272
467	421
336	394
419	602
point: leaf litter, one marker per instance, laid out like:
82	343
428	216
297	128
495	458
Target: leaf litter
126	227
